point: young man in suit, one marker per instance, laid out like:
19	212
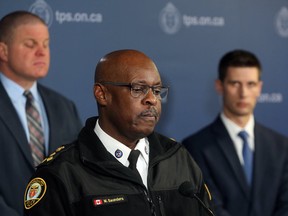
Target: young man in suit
247	175
25	58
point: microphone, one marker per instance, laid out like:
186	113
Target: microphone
186	189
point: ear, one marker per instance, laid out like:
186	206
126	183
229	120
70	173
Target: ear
219	86
3	52
100	94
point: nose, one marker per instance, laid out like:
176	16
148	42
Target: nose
41	50
243	90
150	98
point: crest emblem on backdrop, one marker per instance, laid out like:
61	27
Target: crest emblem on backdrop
43	10
282	22
170	19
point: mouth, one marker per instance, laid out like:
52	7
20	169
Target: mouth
151	114
242	104
39	63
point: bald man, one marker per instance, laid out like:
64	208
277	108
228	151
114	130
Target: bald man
119	165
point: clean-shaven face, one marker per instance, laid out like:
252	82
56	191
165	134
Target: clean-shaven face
240	90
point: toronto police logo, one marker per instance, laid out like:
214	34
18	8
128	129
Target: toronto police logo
282	22
43	10
170	19
34	192
118	153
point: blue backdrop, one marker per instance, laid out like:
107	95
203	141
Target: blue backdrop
185	38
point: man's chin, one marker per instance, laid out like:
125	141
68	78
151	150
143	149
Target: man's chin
145	132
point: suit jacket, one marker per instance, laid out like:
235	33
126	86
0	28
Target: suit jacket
213	150
16	165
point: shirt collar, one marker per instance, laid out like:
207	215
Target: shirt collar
15	91
234	129
118	149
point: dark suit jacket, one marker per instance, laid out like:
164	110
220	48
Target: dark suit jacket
213	150
16	166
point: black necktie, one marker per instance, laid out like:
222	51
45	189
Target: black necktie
35	129
133	157
247	156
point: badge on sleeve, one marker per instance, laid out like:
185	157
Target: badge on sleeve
34	192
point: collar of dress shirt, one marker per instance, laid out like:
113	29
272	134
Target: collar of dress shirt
15	91
112	145
233	129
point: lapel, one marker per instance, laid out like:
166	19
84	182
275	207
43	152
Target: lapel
262	159
226	145
50	108
10	118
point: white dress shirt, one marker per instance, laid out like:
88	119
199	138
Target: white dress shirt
233	130
121	152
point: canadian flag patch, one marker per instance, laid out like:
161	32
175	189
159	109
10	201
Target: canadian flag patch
114	199
97	202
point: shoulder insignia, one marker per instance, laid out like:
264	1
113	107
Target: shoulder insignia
34	192
52	155
208	192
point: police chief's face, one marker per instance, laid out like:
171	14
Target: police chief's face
135	117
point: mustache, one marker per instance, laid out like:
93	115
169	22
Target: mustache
150	112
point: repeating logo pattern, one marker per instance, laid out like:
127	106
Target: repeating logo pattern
282	22
43	10
170	19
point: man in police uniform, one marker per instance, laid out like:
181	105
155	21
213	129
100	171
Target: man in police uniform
96	174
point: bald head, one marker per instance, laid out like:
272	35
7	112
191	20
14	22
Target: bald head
127	90
117	65
12	20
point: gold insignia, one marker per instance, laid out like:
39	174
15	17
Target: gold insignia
208	192
51	156
60	148
35	191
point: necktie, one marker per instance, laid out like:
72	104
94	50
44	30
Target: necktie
133	157
35	129
247	156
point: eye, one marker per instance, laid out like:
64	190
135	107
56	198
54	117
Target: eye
138	88
252	84
234	83
157	90
46	44
29	44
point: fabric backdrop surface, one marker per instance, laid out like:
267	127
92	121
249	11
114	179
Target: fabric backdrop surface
185	39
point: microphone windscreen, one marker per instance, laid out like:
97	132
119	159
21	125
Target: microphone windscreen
186	189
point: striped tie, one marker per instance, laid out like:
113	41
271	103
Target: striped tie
35	129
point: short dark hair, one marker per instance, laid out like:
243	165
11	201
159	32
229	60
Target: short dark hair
237	58
14	19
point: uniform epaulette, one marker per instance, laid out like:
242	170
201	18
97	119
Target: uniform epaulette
52	156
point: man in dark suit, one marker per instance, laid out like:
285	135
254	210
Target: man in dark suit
247	175
24	58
